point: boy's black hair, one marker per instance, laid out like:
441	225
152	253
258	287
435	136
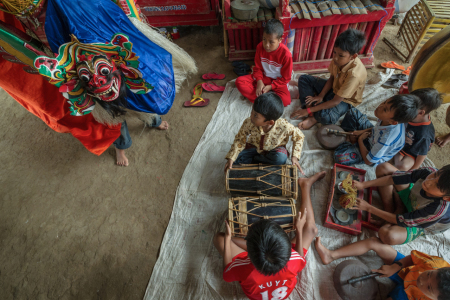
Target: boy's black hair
351	40
274	26
269	105
268	246
443	277
406	107
444	180
430	99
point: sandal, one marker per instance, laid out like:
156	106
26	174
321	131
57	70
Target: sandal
392	65
406	72
213	76
196	102
394	83
212	87
241	65
402	77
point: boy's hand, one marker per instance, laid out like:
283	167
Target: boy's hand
297	164
299	114
267	88
259	88
361	205
229	164
300	221
313	100
363	136
357	185
357	133
388	270
228	231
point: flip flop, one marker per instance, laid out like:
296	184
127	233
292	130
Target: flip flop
196	102
212	87
240	72
240	64
406	72
392	65
213	76
394	83
402	77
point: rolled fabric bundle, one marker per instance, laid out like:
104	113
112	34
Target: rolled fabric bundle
269	3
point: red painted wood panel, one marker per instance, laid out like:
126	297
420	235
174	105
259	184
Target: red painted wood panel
242	39
324	42
330	47
298	37
248	38
237	39
368	33
315	42
308	32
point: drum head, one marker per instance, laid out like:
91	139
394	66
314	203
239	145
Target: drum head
431	66
327	140
362	290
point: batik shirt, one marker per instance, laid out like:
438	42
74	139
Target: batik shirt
432	214
277	136
422	262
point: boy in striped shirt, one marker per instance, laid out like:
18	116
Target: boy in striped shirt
266	262
425	193
379	143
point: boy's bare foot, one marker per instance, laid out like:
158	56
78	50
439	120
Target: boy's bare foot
307	123
324	253
308	182
122	160
441	141
163	126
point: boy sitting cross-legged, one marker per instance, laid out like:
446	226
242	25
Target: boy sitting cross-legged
380	143
263	137
424	192
266	262
418	276
419	132
325	101
273	66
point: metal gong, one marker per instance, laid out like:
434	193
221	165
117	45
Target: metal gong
361	290
327	140
431	66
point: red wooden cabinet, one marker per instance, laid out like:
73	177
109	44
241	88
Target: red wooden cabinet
161	13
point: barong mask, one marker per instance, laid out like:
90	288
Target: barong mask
99	73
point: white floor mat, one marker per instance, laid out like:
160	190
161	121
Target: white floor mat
189	267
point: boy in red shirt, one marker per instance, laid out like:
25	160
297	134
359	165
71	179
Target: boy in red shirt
273	66
265	263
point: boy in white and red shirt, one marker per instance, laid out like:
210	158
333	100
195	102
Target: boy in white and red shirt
273	66
266	262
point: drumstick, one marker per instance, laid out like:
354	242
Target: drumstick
332	131
368	276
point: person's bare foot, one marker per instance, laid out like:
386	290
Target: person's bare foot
163	126
441	141
308	182
122	160
324	253
307	123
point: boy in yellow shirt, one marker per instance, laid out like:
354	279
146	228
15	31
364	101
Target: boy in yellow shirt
325	101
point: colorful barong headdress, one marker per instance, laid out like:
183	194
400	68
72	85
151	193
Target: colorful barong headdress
86	73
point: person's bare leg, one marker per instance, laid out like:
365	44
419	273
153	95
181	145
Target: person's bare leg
309	229
163	126
237	244
392	234
399	206
307	123
403	163
441	141
121	159
386	252
386	169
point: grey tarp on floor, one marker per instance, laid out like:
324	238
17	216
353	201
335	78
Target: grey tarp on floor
189	267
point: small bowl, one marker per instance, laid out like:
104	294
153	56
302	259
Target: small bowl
343	174
341	188
342	216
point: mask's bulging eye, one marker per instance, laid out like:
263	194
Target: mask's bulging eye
85	78
104	71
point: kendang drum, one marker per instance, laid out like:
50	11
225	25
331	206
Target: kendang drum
262	180
244	211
